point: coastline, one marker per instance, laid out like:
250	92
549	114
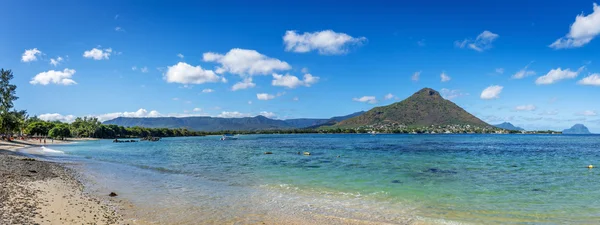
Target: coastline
34	191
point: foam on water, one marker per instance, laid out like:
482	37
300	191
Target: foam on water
49	150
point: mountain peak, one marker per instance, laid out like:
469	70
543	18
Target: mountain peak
427	92
508	126
425	107
577	129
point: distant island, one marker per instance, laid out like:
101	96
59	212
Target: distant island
577	129
508	126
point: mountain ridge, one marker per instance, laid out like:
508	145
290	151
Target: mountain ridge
577	129
508	126
207	123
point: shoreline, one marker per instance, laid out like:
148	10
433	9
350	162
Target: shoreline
34	191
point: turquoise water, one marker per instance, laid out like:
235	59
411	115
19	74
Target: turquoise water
526	179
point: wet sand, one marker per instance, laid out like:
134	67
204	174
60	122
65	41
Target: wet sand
40	192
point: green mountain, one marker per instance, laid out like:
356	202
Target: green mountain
577	129
508	126
424	108
205	123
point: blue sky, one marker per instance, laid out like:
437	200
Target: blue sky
356	55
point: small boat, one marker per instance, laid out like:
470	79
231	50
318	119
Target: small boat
228	137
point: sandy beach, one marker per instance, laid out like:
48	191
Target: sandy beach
41	192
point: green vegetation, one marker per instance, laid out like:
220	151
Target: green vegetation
11	120
423	109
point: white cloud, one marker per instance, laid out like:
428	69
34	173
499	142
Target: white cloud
444	77
452	94
268	114
290	81
197	110
304	70
583	30
245	84
500	70
186	74
326	42
388	96
56	116
549	113
245	62
529	107
144	69
208	90
588	113
119	29
593	79
54	77
233	114
30	55
556	75
523	73
98	54
491	92
481	43
264	96
295	99
367	99
56	61
180	55
416	75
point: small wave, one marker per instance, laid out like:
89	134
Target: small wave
49	150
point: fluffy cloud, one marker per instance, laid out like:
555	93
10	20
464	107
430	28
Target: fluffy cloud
523	73
233	115
138	113
56	61
268	114
264	96
452	94
186	74
197	110
481	43
593	79
245	84
416	75
102	117
367	99
54	77
30	55
180	55
388	96
57	117
144	69
444	77
556	75
529	107
245	62
98	54
208	90
290	81
583	30
588	113
119	29
491	92
326	42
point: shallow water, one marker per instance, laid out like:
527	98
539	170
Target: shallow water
383	178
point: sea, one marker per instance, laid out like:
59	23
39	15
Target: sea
383	178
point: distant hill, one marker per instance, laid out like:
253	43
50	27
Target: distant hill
577	129
205	123
508	126
424	108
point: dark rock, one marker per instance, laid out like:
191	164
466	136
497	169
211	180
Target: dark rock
32	171
112	194
396	182
268	153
